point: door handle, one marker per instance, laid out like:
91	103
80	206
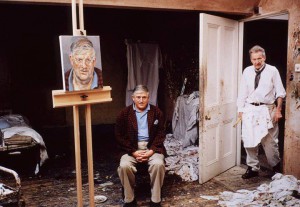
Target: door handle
207	117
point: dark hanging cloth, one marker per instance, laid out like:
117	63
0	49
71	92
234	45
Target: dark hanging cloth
257	77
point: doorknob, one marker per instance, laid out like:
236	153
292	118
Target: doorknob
207	117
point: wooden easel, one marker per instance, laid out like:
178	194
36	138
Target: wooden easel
63	98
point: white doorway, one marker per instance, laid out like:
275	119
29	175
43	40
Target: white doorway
270	32
221	61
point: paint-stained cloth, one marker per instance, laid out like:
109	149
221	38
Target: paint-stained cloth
256	124
9	133
276	194
185	118
182	161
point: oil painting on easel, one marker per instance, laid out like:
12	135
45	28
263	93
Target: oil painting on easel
81	62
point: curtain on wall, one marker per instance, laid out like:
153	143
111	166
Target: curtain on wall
143	61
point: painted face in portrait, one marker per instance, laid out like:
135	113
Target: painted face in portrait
258	59
83	63
141	100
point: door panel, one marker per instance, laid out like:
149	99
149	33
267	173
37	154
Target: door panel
218	89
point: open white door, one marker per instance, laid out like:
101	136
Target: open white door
218	88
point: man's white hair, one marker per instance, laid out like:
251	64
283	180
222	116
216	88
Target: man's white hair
257	48
82	44
140	88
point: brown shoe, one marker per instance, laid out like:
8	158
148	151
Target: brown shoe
249	173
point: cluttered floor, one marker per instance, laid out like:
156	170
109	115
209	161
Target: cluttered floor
55	184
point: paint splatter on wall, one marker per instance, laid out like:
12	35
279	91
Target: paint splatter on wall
296	36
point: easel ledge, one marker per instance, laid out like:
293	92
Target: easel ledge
63	98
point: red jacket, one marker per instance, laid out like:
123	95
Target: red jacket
126	130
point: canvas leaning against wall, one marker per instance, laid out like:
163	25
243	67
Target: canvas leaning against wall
81	62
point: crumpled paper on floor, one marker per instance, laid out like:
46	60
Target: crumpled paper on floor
181	161
4	191
276	194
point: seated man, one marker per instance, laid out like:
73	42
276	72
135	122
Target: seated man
140	134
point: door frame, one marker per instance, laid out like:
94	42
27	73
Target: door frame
240	67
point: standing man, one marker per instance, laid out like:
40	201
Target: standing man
260	88
140	134
83	75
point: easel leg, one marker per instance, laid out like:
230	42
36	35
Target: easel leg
88	125
77	156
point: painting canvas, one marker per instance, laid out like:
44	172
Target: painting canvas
81	62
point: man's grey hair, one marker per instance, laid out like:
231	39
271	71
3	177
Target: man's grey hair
81	44
256	49
140	88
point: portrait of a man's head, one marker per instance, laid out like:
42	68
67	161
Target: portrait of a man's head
81	62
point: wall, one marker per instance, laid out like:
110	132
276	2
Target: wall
28	60
292	129
240	7
27	78
30	65
175	32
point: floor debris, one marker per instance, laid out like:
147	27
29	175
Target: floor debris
278	193
106	184
181	161
100	198
4	191
213	198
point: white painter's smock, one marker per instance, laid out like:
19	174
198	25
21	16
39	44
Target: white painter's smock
256	119
257	107
256	123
